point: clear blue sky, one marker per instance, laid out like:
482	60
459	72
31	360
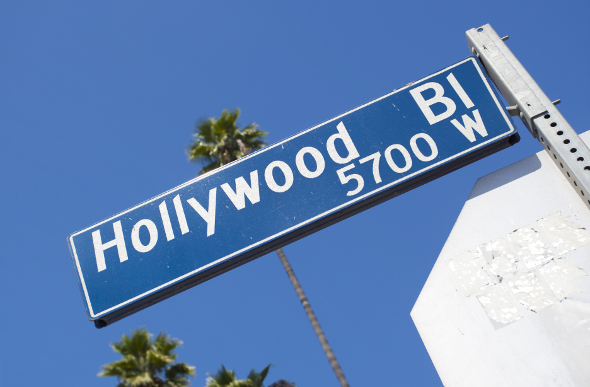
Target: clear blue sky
98	103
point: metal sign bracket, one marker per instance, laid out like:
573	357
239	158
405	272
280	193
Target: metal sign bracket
535	109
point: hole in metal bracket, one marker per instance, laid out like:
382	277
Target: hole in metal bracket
559	133
547	116
479	29
587	168
573	150
580	159
554	156
561	164
553	124
566	141
568	174
576	184
582	192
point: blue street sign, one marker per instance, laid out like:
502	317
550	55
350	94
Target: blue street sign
291	189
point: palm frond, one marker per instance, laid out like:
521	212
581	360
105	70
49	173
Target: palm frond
180	369
177	375
219	141
257	378
143	379
147	360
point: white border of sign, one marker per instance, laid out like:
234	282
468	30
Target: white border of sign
93	315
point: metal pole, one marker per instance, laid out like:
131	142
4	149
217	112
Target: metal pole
313	319
535	109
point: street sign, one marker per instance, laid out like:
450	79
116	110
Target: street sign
291	189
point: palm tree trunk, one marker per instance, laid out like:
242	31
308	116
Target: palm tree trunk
313	319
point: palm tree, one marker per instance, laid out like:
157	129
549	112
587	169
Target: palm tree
148	362
220	141
228	378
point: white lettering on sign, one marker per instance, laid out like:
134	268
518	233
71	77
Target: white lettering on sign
207	215
425	105
469	125
422	145
251	191
345	138
460	92
438	98
166	221
99	247
375	157
180	214
345	179
270	180
242	188
319	161
418	152
408	163
405	154
153	232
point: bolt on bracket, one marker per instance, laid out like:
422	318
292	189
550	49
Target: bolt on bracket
538	113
